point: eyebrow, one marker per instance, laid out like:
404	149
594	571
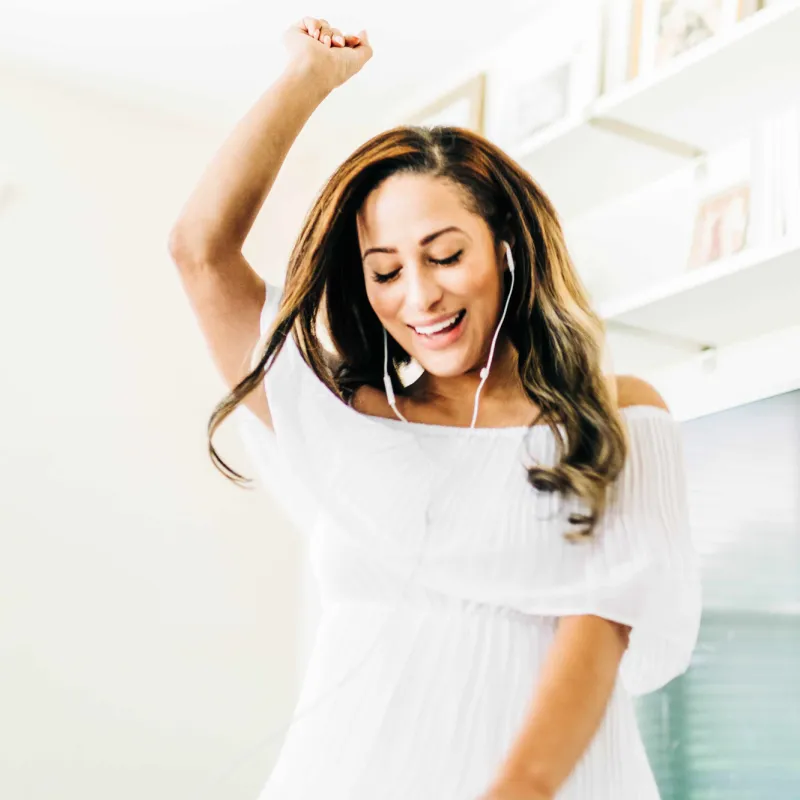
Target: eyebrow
425	240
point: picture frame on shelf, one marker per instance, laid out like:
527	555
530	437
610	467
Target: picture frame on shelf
521	103
536	81
721	224
524	106
660	30
463	107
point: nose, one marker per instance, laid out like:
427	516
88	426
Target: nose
422	290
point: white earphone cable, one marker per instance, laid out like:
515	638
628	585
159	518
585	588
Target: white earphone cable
485	371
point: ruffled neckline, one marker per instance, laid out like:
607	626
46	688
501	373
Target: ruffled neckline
629	412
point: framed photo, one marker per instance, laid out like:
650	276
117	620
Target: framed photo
536	81
721	226
535	103
462	107
663	29
683	24
521	103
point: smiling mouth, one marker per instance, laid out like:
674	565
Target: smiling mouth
432	331
435	331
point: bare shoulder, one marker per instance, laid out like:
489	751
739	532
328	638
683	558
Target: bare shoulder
372	402
633	391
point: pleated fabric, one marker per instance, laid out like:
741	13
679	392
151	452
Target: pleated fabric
442	574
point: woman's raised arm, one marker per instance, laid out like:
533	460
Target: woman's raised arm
226	293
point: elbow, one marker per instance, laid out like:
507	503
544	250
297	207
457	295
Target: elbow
188	250
176	246
181	249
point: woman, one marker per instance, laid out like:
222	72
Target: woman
501	545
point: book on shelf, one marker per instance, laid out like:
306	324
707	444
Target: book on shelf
775	170
750	196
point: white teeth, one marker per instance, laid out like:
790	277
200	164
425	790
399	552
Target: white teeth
431	329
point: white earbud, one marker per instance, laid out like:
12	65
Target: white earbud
509	256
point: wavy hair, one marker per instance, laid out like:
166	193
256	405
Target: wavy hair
558	336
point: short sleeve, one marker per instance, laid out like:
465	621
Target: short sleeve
644	571
275	455
640	567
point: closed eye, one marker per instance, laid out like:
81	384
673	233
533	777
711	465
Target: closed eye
390	276
449	260
378	278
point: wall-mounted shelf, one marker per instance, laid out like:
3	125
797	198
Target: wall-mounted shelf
732	300
703	99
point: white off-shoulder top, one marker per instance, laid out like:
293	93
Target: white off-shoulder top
441	574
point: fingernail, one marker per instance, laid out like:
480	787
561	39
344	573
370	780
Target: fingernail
338	39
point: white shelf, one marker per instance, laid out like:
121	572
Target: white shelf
751	294
704	98
581	167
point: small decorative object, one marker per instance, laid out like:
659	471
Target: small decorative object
462	107
720	226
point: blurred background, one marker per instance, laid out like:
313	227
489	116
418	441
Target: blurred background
155	620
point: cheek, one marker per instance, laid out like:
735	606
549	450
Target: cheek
475	287
385	303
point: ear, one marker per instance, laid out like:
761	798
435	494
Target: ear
500	255
508	232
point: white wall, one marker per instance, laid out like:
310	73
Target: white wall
149	611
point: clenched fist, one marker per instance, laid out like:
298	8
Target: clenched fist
329	54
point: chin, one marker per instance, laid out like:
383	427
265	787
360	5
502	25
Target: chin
450	367
445	354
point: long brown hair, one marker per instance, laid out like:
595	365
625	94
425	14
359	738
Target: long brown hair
550	322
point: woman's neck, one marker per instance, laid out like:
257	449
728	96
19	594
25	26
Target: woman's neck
454	397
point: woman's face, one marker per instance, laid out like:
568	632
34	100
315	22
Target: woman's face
428	262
